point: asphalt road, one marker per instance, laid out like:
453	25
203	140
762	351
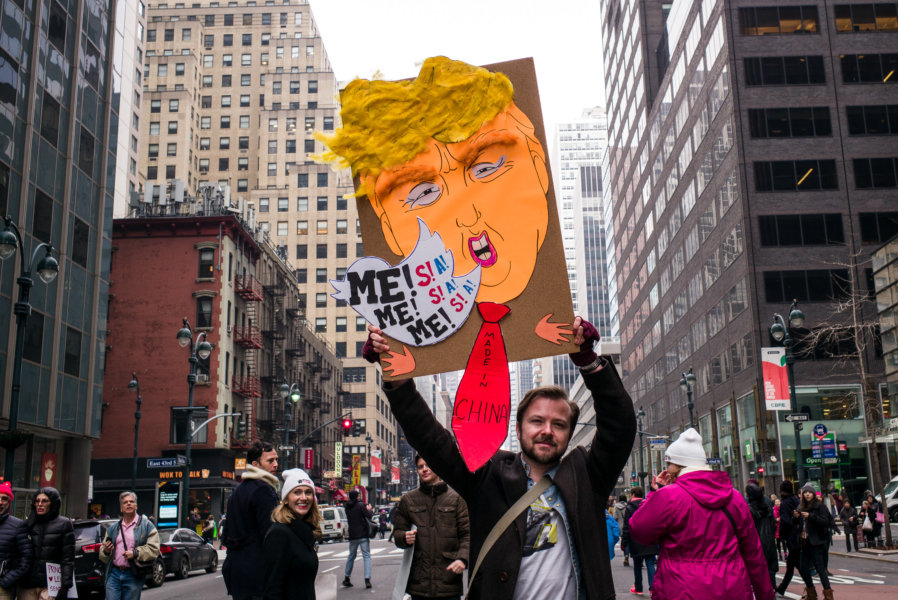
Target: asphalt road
857	578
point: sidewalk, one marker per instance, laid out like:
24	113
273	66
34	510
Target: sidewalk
839	542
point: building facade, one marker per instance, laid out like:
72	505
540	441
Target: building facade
238	293
744	173
233	94
58	119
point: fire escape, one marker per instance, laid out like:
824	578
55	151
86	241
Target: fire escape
249	337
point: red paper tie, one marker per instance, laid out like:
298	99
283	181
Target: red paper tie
483	402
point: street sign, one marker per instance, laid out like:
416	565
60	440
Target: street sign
819	430
657	442
166	462
285	446
715	461
798	417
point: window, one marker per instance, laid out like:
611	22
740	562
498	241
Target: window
263	205
228	20
185	34
208	60
309	146
244	121
853	18
321	251
151	35
875	172
225	122
242	184
34	337
243	164
322	179
803	121
276	88
879	119
291	123
173	105
321	228
302	251
302	227
869	68
342	226
203	165
283	204
208	41
784	70
179	69
227	39
227	60
320	300
321	203
320	275
207	262
807	286
204	311
247	39
313	86
302	180
878	227
207	81
72	361
340	324
152	172
290	146
224	143
226	100
222	164
205	123
243	142
282	228
248	19
801	230
180	425
266	38
360	325
772	20
171	149
155	106
321	325
800	175
272	169
153	150
272	146
80	241
341	250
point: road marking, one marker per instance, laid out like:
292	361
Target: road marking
331	569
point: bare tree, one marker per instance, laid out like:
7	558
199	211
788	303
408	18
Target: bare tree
846	336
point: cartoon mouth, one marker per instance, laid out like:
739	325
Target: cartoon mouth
482	250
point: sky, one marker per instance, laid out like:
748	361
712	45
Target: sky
394	37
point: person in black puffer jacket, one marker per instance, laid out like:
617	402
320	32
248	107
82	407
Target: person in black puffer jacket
815	521
15	545
762	515
53	539
637	551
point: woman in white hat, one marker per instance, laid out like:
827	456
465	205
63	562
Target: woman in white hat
291	544
709	547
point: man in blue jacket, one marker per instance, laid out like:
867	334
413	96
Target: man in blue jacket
15	545
249	517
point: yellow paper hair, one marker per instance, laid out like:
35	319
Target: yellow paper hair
387	123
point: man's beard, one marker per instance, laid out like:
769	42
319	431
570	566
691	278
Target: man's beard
546	459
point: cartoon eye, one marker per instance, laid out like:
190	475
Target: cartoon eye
485	169
423	194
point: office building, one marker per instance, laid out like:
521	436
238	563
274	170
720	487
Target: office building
58	123
751	162
233	93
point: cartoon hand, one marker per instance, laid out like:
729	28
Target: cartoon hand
399	364
552	332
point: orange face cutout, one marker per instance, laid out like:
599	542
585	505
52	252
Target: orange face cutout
485	196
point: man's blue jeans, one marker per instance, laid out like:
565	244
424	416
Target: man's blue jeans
122	585
366	556
637	570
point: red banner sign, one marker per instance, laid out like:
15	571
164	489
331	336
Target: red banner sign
394	472
375	463
308	458
48	469
776	379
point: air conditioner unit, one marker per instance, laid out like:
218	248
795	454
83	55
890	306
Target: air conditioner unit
202	378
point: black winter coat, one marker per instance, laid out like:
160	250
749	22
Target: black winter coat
357	515
789	526
584	478
817	524
765	523
291	561
845	516
53	541
15	549
634	548
249	517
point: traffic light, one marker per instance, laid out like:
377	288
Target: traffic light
241	428
761	471
346	424
356	428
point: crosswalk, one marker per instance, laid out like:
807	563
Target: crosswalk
332	554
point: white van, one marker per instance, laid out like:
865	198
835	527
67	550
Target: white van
334	525
890	493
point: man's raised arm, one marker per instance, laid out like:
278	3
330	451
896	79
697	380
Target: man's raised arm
424	433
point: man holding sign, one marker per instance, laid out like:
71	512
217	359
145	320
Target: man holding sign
551	550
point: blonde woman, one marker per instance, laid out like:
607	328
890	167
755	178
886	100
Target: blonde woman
291	544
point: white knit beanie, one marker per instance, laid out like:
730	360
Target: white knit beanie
687	451
295	478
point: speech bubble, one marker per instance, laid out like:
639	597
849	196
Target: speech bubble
419	301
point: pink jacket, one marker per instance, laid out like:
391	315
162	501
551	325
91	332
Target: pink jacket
701	556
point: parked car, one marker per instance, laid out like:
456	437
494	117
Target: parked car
334	525
891	495
184	551
90	571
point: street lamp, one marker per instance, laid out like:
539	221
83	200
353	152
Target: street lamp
134	385
199	348
47	269
686	382
640	414
779	331
292	393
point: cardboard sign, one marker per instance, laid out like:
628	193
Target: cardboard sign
54	581
461	149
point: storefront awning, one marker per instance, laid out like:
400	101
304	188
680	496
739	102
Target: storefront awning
340	495
319	490
880	439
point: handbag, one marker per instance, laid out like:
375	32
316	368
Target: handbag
138	568
880	517
372	527
867	526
